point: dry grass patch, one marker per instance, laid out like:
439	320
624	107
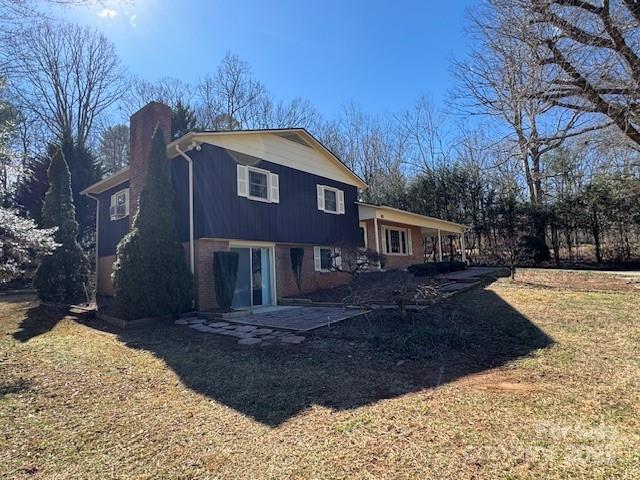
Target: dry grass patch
506	382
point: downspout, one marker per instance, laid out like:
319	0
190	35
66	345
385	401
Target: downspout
191	234
97	199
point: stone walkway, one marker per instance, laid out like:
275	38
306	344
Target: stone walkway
246	334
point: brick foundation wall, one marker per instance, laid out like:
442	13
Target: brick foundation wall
203	275
285	279
105	269
311	280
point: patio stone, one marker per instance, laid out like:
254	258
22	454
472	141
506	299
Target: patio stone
292	339
219	324
182	321
246	328
249	341
262	331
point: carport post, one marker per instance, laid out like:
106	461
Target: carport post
439	246
463	247
375	229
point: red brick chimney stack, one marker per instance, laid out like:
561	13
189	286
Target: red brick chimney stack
142	124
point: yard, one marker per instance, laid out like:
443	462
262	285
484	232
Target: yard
510	381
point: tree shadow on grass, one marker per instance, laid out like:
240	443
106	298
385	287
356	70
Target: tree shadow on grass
38	320
352	364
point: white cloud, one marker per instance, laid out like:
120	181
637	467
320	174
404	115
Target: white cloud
132	20
107	13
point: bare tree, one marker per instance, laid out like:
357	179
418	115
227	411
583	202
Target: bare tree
167	90
428	140
231	98
591	54
113	149
500	78
65	76
296	113
370	146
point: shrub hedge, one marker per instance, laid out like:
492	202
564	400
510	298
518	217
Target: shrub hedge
432	269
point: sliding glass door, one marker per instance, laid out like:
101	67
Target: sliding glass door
254	282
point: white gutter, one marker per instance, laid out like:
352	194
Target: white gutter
191	234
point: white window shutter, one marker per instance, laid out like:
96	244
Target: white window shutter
274	191
340	201
320	191
243	181
409	244
337	259
316	259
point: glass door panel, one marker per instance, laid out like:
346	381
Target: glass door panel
242	293
253	284
265	257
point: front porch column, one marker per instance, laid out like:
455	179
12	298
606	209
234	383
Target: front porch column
375	229
439	246
463	247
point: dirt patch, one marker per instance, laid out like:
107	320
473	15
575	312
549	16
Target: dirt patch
373	287
579	280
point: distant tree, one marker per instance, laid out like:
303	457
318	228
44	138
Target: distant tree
62	276
231	98
113	149
183	120
33	185
150	276
65	76
22	244
167	90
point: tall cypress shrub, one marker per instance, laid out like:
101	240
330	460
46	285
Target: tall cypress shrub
62	276
151	277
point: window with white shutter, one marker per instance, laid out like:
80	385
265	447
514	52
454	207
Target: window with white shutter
258	184
330	200
243	181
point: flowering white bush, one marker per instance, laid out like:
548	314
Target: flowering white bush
21	244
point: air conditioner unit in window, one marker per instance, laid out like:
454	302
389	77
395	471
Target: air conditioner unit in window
118	211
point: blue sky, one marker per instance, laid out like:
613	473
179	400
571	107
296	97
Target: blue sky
380	55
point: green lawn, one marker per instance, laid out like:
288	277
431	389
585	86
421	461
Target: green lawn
507	382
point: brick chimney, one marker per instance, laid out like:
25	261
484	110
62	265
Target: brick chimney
142	125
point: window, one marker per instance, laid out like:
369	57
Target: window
257	184
119	205
326	259
397	241
330	200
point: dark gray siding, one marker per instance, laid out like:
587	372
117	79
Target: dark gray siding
110	232
220	213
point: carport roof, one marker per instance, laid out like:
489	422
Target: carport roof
367	211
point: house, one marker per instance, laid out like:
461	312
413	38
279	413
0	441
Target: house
259	193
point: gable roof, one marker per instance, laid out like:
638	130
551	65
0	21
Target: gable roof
286	146
293	147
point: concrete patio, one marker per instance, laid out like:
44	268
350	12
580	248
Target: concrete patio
298	318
